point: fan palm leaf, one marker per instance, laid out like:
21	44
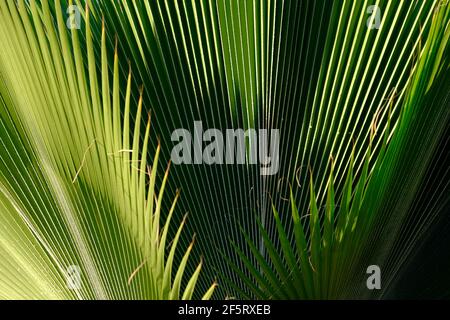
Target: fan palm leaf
330	260
73	184
357	89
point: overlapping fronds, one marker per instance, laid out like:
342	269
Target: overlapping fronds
334	243
357	89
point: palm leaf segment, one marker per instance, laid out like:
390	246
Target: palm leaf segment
332	245
76	189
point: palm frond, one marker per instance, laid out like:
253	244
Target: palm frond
73	185
330	259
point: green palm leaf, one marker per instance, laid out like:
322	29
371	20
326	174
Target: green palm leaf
73	186
79	178
331	261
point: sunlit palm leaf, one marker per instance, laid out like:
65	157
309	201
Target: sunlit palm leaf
73	186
